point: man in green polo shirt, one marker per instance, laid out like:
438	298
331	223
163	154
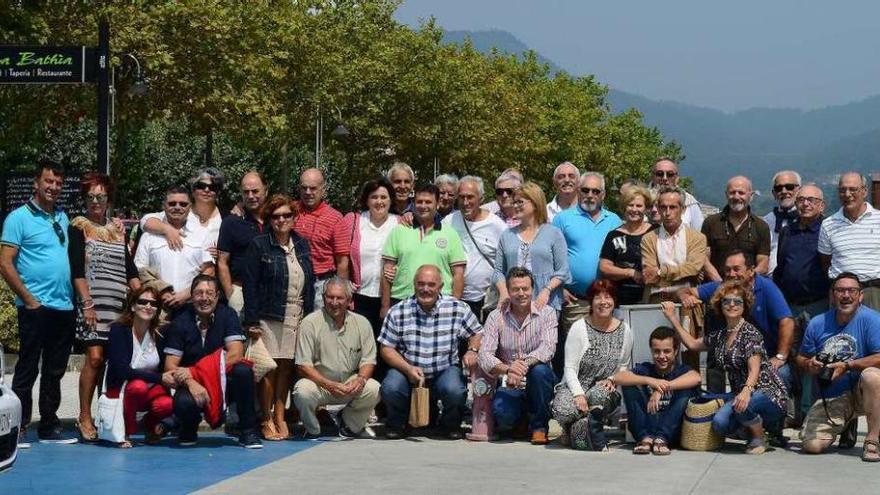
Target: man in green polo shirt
426	242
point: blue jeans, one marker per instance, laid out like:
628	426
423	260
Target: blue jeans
665	424
448	387
509	403
760	409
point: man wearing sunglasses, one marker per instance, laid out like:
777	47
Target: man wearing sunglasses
665	173
172	271
786	184
34	263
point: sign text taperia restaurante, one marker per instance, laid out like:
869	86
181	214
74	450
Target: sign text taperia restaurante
38	64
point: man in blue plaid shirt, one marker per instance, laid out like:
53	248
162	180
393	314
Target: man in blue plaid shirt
419	341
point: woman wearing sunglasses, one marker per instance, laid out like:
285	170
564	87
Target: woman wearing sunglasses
102	270
758	395
134	358
278	290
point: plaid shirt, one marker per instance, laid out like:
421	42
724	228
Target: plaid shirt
429	340
505	340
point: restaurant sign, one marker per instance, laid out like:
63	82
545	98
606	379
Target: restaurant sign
46	64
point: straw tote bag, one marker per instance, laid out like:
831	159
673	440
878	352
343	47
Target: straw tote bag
696	427
258	355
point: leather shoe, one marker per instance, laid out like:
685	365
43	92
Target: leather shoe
395	433
539	437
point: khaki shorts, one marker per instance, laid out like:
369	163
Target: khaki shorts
821	426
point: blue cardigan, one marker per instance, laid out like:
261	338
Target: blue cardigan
549	254
119	352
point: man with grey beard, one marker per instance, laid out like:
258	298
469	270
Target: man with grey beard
736	228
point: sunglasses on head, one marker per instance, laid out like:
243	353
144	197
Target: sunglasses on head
591	190
504	191
174	204
279	216
148	302
736	301
210	186
665	174
788	187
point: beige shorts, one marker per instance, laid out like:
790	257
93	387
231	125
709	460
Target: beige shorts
820	425
236	300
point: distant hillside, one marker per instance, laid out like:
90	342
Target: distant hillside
755	142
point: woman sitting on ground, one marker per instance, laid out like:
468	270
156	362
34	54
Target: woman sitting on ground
597	347
134	359
758	393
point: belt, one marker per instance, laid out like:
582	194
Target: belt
806	302
325	276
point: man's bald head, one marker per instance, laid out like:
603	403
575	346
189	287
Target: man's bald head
253	191
311	187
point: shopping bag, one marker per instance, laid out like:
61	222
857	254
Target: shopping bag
419	407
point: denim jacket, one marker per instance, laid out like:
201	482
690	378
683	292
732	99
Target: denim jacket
266	278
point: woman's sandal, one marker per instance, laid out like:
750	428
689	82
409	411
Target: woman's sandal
125	445
155	436
283	431
871	451
643	447
269	432
660	447
86	435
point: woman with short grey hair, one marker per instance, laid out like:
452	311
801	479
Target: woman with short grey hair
448	185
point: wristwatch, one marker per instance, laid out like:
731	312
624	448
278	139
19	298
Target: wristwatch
472	349
780	357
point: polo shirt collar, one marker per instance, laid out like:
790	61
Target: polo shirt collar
331	323
315	210
869	210
603	213
433	311
813	227
34	207
438	224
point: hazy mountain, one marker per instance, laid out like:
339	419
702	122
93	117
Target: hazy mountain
756	142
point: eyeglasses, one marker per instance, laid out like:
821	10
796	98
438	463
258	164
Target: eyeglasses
175	204
852	190
148	302
788	187
736	301
846	291
208	294
209	186
96	198
809	199
279	216
591	190
504	191
665	174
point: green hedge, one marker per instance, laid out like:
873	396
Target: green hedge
8	319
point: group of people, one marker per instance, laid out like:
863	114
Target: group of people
423	284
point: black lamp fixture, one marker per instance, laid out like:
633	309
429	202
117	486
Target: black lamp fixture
139	87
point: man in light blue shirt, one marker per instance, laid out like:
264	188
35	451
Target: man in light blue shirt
34	263
584	227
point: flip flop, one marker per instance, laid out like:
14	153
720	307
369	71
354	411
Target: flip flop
660	447
643	447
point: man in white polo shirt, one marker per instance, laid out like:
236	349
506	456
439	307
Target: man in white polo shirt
849	240
565	180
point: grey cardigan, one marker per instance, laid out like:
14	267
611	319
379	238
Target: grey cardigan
549	255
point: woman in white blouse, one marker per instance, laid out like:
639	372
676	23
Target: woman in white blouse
134	362
368	229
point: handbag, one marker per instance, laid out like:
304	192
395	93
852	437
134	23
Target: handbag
696	427
258	355
110	421
420	407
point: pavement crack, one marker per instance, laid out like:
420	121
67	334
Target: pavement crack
703	474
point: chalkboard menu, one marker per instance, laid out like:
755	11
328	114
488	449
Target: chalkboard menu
19	188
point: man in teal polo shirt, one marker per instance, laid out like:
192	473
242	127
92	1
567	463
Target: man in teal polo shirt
584	227
34	263
426	242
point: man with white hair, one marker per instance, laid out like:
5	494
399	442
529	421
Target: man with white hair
565	179
479	231
665	173
403	180
736	228
786	184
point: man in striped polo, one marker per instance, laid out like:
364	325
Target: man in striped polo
849	240
321	225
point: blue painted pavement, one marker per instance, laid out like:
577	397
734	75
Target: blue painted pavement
163	469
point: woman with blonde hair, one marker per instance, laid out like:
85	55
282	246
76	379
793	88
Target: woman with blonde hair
621	256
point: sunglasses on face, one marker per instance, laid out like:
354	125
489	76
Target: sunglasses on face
591	190
148	302
665	174
279	216
207	186
96	198
788	187
736	301
59	232
175	204
504	191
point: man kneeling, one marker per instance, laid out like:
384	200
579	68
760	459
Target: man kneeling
518	342
335	355
656	394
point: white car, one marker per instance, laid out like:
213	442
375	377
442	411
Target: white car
10	419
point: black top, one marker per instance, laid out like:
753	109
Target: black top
183	338
236	234
625	251
120	350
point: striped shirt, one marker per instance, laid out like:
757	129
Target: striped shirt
853	246
505	339
322	227
429	340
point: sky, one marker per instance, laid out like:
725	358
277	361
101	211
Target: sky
725	55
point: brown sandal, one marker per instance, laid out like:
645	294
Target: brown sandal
283	432
269	432
871	451
660	447
87	433
643	447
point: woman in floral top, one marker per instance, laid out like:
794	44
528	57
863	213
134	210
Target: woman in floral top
758	394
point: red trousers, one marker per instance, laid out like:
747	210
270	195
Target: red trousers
149	397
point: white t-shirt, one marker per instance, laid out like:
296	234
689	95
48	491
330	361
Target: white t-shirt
193	223
487	233
178	268
372	241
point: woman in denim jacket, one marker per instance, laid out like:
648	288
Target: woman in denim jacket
278	290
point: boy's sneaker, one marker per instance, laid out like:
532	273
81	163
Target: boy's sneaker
345	432
188	440
305	435
54	435
250	440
